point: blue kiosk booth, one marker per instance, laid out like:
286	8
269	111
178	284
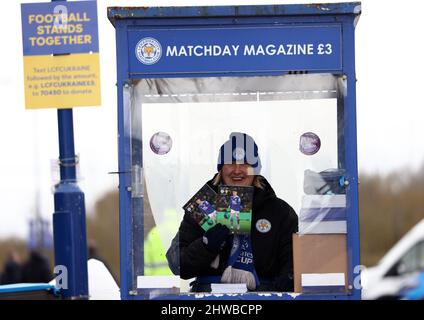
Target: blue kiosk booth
188	77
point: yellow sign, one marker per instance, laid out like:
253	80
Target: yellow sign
63	81
61	54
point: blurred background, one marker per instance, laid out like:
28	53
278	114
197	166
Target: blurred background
390	147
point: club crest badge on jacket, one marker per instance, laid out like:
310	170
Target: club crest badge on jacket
263	225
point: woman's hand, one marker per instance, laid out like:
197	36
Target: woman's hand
214	239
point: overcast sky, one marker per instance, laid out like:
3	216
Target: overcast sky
389	102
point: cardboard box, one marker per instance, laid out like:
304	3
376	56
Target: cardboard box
319	253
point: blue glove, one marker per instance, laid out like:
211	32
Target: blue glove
214	239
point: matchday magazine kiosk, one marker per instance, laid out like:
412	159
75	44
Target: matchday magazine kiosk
187	77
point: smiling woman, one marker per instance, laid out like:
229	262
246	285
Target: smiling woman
237	167
262	258
237	174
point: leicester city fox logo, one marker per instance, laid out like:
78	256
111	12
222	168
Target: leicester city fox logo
263	225
148	51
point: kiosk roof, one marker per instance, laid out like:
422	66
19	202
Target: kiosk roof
118	13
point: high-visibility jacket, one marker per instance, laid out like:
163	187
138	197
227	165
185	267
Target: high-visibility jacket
155	262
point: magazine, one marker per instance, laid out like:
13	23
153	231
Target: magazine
201	207
234	208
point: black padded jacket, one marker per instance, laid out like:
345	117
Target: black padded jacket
272	250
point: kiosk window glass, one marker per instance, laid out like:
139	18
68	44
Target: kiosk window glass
179	124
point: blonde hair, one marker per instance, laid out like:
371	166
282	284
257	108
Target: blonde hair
258	181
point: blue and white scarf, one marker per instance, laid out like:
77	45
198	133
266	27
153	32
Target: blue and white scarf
240	266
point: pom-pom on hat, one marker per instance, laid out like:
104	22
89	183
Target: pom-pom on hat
240	148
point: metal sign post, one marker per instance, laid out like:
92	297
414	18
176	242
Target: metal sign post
69	217
61	64
69	227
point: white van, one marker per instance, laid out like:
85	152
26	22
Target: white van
397	268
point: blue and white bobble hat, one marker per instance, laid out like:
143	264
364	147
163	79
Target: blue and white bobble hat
240	148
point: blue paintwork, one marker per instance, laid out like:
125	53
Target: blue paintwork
132	23
142	295
127	275
70	240
255	296
118	13
66	145
239	49
350	157
24	287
